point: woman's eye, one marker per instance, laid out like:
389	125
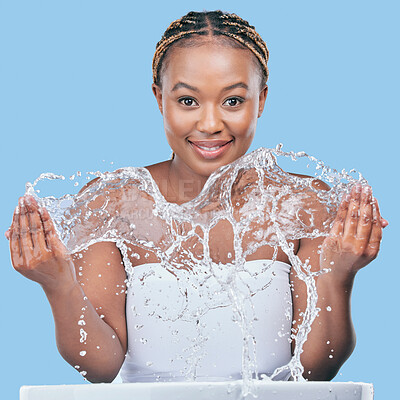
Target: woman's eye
233	102
188	102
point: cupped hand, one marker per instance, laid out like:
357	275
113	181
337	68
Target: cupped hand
356	234
36	250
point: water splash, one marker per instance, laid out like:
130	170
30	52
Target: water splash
252	202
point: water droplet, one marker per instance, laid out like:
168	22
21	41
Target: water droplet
83	335
82	353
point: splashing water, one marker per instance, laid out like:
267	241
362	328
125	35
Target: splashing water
251	203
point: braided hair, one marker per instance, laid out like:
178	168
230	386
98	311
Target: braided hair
197	25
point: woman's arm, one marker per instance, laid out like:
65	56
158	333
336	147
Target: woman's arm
89	312
352	243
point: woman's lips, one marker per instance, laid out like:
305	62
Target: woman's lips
211	149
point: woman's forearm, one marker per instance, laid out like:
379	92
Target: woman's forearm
332	336
83	338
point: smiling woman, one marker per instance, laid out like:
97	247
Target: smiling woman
210	100
210	73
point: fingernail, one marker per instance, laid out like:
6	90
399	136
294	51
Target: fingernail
17	210
358	188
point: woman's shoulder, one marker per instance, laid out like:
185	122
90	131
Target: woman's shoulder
316	183
120	184
315	201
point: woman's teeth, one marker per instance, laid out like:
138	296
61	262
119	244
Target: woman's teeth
210	148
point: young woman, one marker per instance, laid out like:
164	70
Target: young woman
210	73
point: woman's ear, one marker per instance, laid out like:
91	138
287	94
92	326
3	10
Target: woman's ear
261	100
158	95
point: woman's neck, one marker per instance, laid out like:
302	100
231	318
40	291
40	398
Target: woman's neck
184	182
176	181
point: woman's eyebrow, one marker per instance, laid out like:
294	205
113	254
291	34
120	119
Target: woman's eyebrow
184	85
236	85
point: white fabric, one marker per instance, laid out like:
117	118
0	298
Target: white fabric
165	350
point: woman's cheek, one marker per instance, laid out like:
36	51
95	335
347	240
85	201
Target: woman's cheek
178	121
243	123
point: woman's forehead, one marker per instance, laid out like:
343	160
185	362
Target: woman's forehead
211	61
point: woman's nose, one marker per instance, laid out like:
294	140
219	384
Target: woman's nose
209	120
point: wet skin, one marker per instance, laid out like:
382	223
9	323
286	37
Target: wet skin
198	103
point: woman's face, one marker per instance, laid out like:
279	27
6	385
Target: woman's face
210	100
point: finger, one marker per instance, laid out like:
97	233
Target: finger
337	227
364	226
15	247
24	233
377	210
52	240
376	232
351	221
35	226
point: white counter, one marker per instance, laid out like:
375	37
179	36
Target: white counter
201	391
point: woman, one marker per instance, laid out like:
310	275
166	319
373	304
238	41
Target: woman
210	73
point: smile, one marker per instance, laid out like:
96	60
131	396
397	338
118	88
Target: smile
211	149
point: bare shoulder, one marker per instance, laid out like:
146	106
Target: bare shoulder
315	201
112	188
316	183
317	190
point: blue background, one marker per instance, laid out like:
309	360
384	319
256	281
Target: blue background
75	82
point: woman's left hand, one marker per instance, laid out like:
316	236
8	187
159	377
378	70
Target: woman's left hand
356	234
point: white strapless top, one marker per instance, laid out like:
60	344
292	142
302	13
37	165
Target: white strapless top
177	331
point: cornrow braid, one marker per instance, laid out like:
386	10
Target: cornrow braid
211	23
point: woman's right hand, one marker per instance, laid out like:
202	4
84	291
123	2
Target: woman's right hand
36	250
